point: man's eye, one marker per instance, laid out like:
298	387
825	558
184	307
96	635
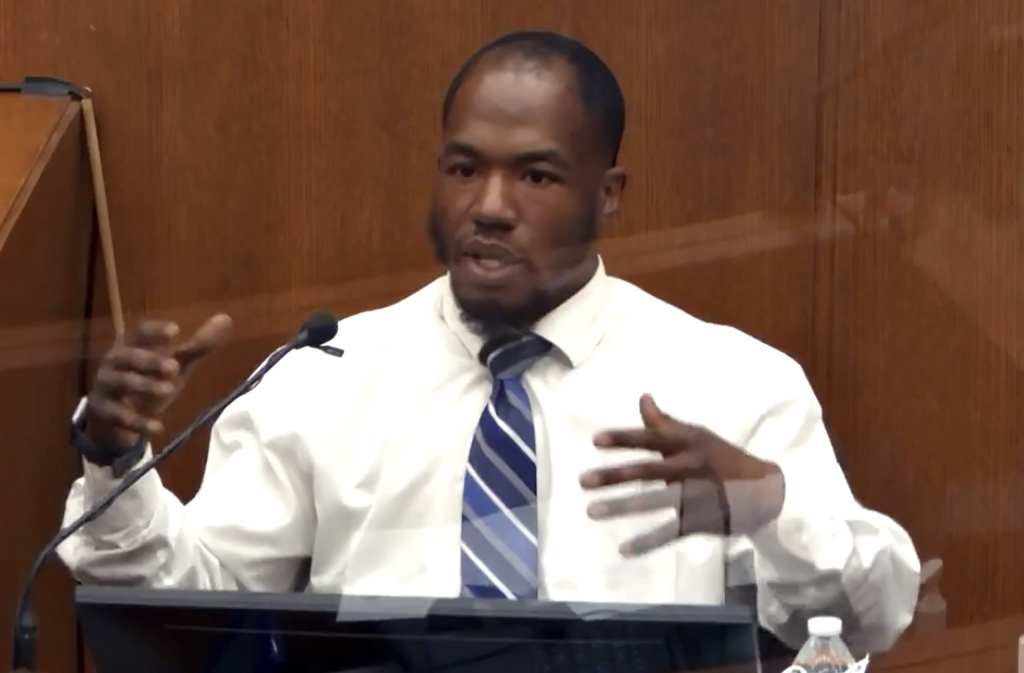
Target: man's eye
461	170
538	177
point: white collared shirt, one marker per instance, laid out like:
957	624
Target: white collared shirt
358	463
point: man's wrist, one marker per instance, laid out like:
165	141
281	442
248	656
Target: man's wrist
118	459
771	494
757	499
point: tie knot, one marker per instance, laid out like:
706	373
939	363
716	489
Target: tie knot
512	357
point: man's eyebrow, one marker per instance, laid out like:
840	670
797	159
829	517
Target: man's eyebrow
551	156
457	147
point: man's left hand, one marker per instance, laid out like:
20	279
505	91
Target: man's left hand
714	486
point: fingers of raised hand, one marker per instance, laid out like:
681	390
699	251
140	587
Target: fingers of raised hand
120	415
668	438
152	334
120	383
142	361
668	497
658	536
210	335
698	506
652	415
675	468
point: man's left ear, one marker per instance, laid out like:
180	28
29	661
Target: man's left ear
613	183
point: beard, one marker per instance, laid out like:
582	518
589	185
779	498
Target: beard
492	319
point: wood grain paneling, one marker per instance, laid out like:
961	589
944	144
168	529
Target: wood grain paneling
989	647
43	270
28	125
926	333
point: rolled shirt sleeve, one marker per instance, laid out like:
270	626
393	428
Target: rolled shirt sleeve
824	553
249	527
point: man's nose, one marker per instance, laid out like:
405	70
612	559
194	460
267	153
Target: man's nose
495	207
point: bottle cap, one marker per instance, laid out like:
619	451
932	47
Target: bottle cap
824	627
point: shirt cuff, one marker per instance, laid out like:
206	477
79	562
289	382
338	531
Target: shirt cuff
132	511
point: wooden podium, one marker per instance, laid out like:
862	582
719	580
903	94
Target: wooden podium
47	246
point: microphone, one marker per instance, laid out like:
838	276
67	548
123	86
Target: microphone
318	328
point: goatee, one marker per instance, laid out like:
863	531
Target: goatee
491	319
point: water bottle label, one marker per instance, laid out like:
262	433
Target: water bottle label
859	667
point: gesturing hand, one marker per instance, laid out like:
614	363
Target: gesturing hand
139	379
713	486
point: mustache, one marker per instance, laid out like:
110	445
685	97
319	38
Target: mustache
583	234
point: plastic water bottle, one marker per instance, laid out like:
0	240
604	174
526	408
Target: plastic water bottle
824	651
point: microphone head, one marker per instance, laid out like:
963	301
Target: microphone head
318	328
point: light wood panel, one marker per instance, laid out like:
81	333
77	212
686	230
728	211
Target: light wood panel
43	270
28	125
921	313
990	647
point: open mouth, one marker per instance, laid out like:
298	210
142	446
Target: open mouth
488	263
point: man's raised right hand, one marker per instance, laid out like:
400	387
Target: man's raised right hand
138	380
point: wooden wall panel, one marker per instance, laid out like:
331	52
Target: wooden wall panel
990	647
43	273
924	325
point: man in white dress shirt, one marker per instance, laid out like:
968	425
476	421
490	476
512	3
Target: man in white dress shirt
645	456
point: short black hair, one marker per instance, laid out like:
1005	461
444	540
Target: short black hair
596	85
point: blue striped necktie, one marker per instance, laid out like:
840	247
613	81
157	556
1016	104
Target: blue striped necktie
499	505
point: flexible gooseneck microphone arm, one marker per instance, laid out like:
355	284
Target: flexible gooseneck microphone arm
317	329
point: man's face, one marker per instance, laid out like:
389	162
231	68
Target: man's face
521	185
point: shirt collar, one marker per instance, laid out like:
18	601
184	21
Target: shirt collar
574	327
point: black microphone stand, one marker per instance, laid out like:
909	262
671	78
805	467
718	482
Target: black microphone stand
316	330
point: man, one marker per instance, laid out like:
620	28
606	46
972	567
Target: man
524	426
